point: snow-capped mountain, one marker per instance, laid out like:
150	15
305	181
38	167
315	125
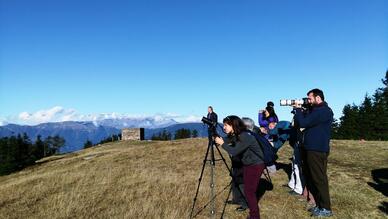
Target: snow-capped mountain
77	133
148	122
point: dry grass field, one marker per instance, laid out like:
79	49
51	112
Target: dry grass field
159	180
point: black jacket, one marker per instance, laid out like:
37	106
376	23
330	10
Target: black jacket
317	123
213	117
245	147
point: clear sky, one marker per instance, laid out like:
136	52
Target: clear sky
162	57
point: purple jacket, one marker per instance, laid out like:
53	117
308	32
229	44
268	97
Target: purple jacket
263	122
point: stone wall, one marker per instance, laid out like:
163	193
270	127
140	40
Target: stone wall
132	134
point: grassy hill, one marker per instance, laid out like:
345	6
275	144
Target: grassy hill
159	180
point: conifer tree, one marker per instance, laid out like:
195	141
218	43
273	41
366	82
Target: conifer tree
39	147
182	133
366	119
348	128
369	120
194	133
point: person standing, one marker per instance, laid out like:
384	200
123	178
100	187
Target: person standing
317	122
211	115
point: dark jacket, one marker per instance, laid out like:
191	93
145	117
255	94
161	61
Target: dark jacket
246	148
317	123
280	134
213	117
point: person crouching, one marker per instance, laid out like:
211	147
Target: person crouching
239	142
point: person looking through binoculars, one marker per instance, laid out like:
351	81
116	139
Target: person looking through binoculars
266	117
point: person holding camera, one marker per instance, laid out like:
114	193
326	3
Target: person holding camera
240	143
212	116
317	122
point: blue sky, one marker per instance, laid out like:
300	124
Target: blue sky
178	57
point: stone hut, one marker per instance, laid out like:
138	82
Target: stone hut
132	134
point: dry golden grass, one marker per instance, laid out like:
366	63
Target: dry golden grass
159	180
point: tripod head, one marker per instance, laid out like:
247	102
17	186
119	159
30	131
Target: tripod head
212	125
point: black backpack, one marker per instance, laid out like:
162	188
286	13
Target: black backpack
268	150
269	159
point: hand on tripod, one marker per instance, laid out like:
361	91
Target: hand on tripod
219	140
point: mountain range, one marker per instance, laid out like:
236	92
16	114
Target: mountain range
76	133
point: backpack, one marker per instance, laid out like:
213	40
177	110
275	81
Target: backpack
269	158
268	151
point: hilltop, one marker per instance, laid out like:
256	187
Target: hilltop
159	179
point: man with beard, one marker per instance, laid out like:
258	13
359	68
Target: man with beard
317	122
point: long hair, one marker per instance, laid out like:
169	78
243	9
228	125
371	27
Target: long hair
272	114
236	123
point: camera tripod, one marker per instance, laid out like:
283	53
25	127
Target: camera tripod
212	161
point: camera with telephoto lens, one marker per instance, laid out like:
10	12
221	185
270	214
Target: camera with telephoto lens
304	102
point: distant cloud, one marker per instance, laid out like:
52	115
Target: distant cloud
55	114
60	114
3	121
186	119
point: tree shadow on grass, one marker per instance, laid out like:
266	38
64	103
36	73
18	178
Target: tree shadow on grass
380	184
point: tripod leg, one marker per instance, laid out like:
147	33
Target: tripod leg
226	200
222	157
199	181
212	183
232	175
230	171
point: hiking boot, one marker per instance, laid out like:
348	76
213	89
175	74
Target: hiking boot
313	209
322	212
241	208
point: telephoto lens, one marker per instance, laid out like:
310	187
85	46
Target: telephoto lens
287	102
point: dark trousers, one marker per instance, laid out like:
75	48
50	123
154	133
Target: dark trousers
238	186
252	176
315	170
238	195
210	137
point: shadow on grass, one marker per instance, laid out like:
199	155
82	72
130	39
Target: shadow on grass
384	207
264	185
287	168
380	177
